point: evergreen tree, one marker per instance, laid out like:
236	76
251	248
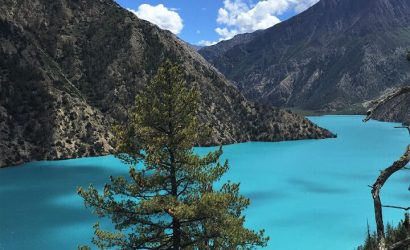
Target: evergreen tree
394	235
169	201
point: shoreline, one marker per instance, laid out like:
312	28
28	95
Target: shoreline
205	146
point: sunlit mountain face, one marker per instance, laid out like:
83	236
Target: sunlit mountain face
331	57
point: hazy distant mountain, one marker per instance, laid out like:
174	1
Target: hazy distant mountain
195	47
70	68
333	55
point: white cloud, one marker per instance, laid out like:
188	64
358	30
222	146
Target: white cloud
226	33
239	17
205	43
303	5
160	15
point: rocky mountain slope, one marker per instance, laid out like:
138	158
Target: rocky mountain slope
393	106
333	55
71	68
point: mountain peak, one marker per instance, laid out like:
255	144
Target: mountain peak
330	57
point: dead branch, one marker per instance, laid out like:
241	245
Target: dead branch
381	180
385	175
397	207
400	245
385	99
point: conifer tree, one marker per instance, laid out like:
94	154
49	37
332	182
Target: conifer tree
170	201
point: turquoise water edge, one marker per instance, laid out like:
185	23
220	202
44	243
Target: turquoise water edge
310	194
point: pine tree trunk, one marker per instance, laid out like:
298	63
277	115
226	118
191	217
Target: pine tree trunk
176	225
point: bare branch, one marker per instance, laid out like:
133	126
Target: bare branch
397	207
385	99
385	175
381	180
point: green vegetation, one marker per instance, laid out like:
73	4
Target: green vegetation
171	201
393	235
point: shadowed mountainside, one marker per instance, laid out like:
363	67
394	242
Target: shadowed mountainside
70	69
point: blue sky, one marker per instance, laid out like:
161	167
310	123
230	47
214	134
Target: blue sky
209	21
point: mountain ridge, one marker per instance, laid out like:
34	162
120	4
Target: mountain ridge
328	58
71	69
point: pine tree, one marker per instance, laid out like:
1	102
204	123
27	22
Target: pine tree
170	201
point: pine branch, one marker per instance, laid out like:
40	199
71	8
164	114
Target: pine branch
184	189
107	209
195	220
203	238
166	242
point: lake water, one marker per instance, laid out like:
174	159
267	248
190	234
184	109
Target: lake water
310	195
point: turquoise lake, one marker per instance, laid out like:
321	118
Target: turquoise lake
308	195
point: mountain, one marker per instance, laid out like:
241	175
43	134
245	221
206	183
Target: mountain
336	54
393	106
195	47
70	69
